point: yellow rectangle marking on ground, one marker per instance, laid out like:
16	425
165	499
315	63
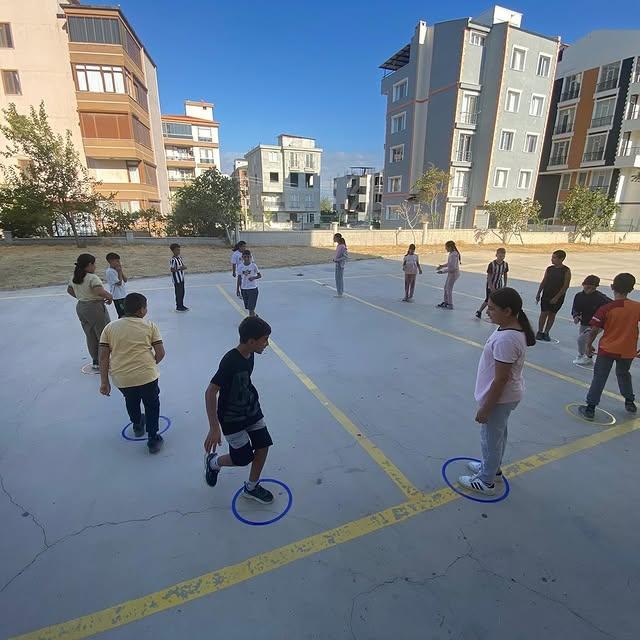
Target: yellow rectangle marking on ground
376	454
208	583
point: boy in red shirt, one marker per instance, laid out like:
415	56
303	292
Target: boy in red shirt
619	343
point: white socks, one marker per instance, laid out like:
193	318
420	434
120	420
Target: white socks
213	463
250	486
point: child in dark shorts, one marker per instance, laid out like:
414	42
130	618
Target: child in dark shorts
551	292
496	277
233	409
248	273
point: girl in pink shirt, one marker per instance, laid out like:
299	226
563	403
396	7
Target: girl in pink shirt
452	269
340	259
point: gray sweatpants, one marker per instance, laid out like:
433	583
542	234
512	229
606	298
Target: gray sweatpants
493	440
583	334
339	278
452	276
94	317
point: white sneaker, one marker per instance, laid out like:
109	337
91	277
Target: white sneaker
473	483
585	361
476	468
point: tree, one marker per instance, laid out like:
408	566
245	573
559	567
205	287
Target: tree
431	190
207	206
117	222
410	213
511	217
588	210
24	212
326	206
151	218
53	180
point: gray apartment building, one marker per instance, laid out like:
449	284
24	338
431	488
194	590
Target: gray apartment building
469	96
358	195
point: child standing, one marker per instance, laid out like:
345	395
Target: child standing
411	267
247	275
585	304
452	269
496	277
133	347
233	409
619	343
499	386
236	258
340	259
115	277
178	268
554	285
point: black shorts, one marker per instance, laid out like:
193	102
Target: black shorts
548	307
242	444
250	297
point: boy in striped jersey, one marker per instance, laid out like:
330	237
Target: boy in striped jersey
178	268
496	277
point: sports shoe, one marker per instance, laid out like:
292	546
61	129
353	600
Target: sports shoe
183	309
95	366
546	337
588	412
630	406
155	443
405	299
139	429
585	361
539	335
473	483
210	475
258	494
476	468
479	315
442	305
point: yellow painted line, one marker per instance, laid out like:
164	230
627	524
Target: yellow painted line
375	452
220	579
473	343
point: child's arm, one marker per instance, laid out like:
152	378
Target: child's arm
159	352
214	437
103	293
105	357
541	287
123	277
418	265
575	312
565	287
71	292
502	375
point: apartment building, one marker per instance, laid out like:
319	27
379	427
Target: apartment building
593	132
469	96
358	195
284	180
191	143
241	176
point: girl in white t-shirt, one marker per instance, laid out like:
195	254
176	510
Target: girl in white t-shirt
411	267
236	259
499	385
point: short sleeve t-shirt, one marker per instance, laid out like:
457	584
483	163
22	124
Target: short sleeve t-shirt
411	263
248	271
85	291
236	258
118	291
238	400
503	345
496	272
619	319
132	361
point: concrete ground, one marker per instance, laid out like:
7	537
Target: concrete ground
366	398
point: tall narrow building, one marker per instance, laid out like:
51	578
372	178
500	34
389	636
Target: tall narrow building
593	132
471	97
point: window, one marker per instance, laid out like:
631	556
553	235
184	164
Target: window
309	161
571	88
395	184
180	175
460	184
544	65
633	110
207	156
293	160
565	120
608	76
518	56
536	108
177	130
399	123
99	30
559	151
456	214
476	38
204	134
141	133
600	180
565	181
396	153
132	170
274	156
179	153
106	125
100	79
400	90
150	175
513	101
309	180
524	179
469	111
294	199
6	40
603	112
582	178
274	176
308	201
531	142
501	178
393	212
594	149
11	83
506	140
293	179
463	152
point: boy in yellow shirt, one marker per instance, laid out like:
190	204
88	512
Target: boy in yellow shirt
133	347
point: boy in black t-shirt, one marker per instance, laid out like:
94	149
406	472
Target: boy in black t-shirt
551	292
585	304
233	409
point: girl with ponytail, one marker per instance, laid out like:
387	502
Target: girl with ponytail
452	269
499	386
87	288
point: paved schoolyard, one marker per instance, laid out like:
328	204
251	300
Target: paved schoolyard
366	398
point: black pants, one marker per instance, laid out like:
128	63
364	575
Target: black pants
119	306
179	287
149	395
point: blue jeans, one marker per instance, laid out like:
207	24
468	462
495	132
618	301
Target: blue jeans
601	371
149	395
339	278
493	440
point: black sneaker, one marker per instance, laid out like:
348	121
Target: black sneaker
630	406
588	412
155	443
442	305
184	309
139	429
545	337
479	315
258	494
210	475
539	335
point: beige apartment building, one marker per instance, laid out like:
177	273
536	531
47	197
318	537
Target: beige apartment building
241	175
96	80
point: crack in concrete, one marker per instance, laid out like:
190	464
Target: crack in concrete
25	510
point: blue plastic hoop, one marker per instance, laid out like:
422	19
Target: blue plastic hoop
144	438
507	488
266	522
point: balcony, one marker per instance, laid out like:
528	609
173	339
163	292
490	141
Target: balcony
459	192
463	155
599	187
558	160
629	158
207	161
563	127
593	156
468	117
570	94
605	85
602	121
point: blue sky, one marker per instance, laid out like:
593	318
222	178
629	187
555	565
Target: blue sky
311	68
